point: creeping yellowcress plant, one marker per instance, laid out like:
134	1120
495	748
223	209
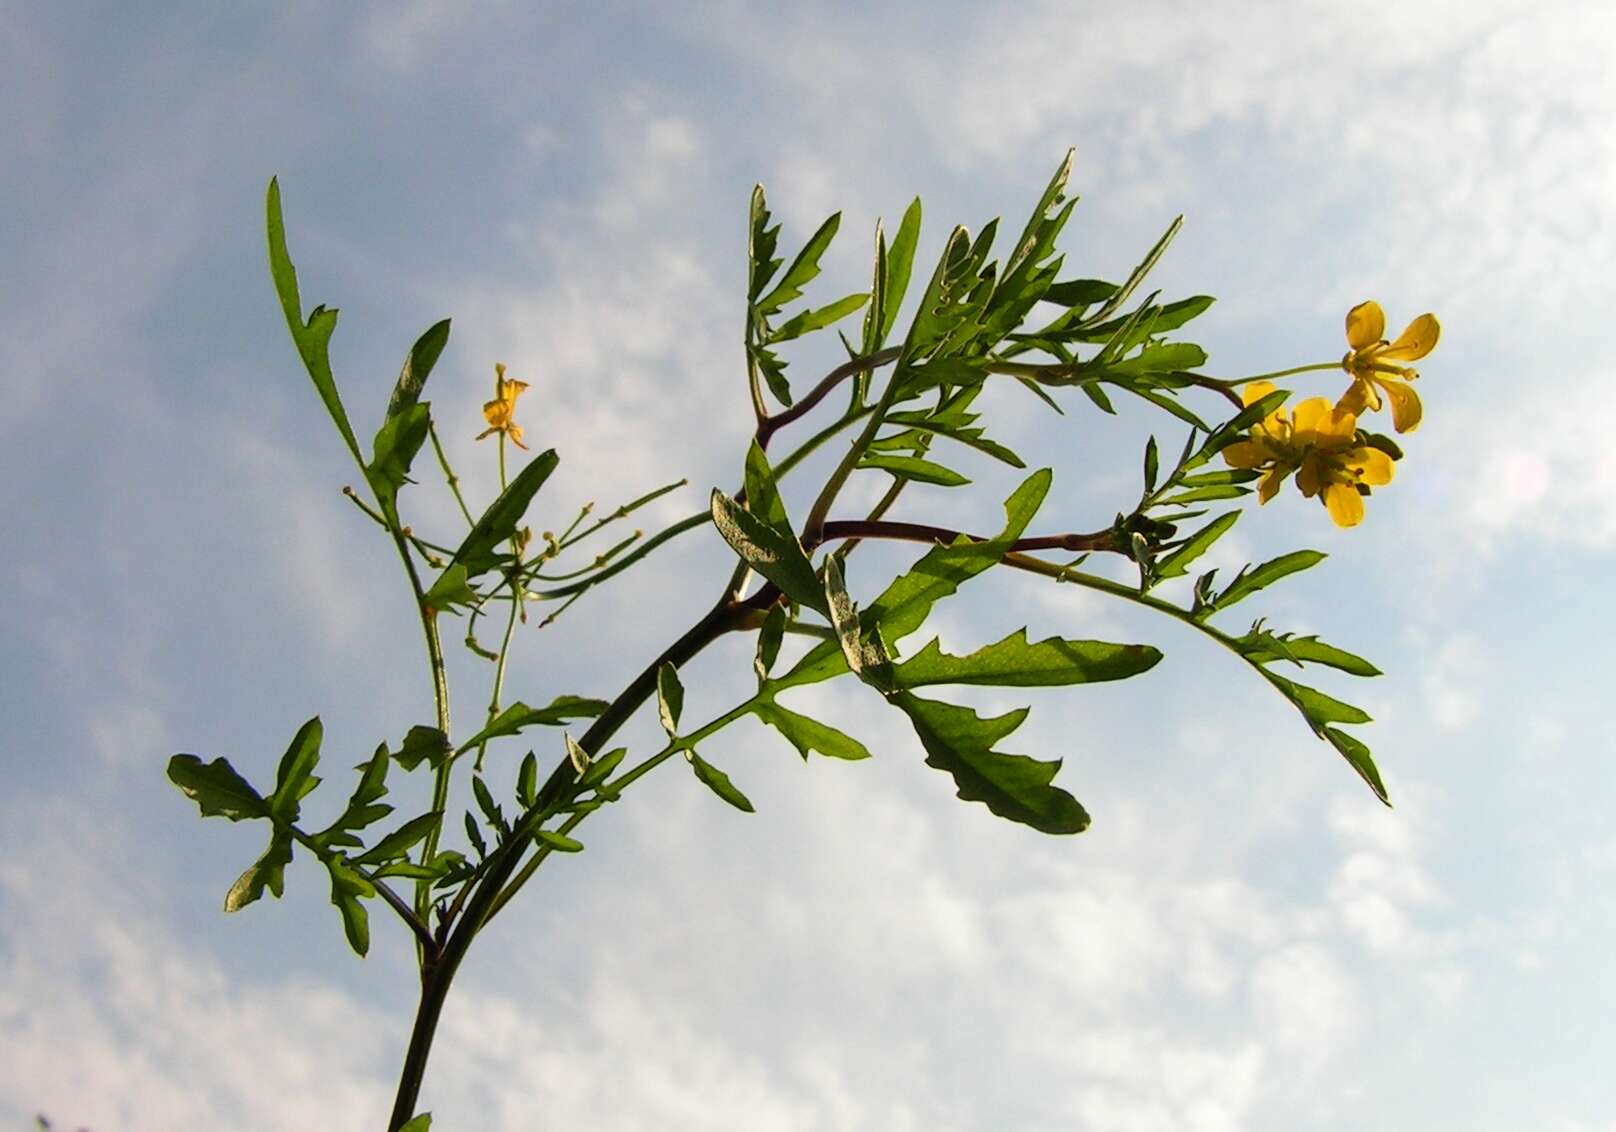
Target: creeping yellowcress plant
901	410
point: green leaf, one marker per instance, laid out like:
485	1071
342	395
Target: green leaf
1263	648
773	370
906	603
1165	403
1178	562
811	320
1038	237
561	710
347	889
486	803
955	423
670	697
939	373
269	871
312	338
363	807
474	834
939	312
1202	494
809	734
914	468
449	590
1249	580
803	269
479	552
1318	708
900	263
1131	284
1152	464
1161	357
527	781
862	650
761	240
762	496
421	1123
1171	317
1014	662
395	448
1080	293
1234	429
1097	395
1357	756
600	769
1226	475
576	755
560	842
420	744
770	635
776	555
295	778
398	843
417	368
1016	787
216	788
718	782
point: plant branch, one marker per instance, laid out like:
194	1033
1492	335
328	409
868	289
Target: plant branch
768	426
383	889
924	532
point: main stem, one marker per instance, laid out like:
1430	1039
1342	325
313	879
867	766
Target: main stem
437	973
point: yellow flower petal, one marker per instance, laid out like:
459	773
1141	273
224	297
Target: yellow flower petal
1246	454
1373	466
1257	390
1406	411
1366	325
1269	485
1344	504
1311	416
1310	477
1416	341
1360	395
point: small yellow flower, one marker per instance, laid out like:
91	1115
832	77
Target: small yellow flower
1270	446
1334	464
1370	363
1319	443
499	412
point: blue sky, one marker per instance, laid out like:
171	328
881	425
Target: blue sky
1245	939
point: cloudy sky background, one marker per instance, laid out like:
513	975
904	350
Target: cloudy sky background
1245	939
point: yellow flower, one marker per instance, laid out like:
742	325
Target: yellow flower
1370	363
1334	465
1269	448
500	411
1319	443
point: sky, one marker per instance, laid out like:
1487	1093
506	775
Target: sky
1244	940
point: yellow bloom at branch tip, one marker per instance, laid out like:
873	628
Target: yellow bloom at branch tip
501	411
1320	444
1370	362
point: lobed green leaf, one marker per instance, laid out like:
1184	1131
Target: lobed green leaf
1016	662
1017	787
216	788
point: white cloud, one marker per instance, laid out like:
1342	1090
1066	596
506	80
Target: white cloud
1306	1003
112	1021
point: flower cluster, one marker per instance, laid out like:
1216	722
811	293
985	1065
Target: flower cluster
1321	443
